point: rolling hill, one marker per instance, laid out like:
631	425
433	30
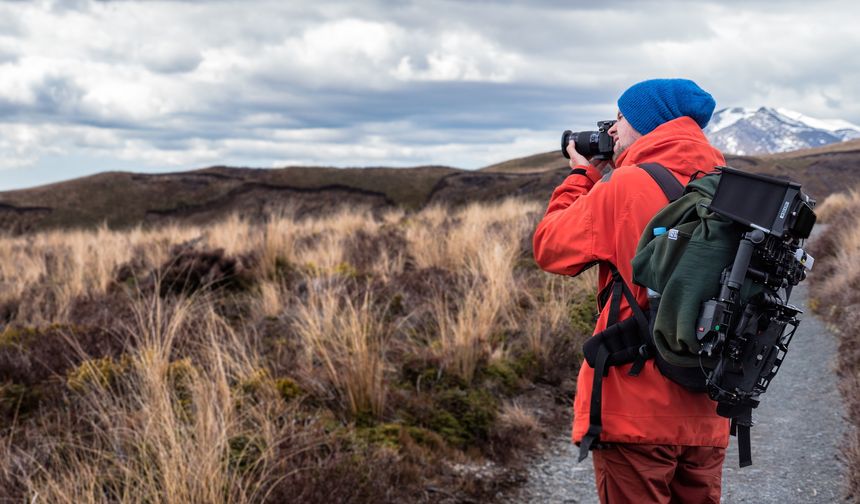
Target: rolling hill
122	199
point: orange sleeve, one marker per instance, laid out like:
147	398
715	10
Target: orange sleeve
577	228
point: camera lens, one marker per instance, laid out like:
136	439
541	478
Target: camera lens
585	143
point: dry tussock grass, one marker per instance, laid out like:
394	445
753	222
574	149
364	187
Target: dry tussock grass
171	435
345	357
349	338
837	204
835	292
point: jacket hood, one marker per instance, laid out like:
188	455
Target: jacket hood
678	144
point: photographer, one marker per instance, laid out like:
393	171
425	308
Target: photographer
654	440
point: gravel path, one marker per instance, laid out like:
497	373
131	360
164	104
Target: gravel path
795	441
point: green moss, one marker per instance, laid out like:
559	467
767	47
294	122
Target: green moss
814	304
244	452
288	389
255	387
448	407
503	373
446	425
310	268
329	421
387	434
101	373
395	435
582	314
346	270
364	417
16	336
423	374
18	399
255	382
181	375
527	364
425	437
464	417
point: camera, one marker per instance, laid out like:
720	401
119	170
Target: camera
591	144
751	337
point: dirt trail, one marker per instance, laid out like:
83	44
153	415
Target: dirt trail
798	429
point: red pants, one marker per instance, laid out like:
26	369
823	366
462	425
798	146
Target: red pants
658	473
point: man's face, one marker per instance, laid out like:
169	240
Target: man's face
623	134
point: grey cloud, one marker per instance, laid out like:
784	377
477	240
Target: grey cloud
62	6
463	112
571	59
58	101
10	26
439	105
173	63
59	96
7	56
431	114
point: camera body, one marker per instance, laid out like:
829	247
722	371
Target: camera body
591	144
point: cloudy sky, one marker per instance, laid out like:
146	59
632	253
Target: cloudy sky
155	86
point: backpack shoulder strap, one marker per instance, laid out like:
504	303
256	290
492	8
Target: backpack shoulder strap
622	341
664	178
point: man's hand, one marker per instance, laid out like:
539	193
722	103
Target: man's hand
577	159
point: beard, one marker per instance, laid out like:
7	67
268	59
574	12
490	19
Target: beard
622	148
617	154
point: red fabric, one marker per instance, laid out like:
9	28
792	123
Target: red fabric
589	220
658	474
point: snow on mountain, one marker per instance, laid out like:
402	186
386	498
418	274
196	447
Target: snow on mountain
825	124
726	117
766	130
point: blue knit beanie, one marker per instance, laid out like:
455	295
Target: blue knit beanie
651	103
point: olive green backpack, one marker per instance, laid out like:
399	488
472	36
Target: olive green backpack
684	265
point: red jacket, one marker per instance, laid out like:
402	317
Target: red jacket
593	219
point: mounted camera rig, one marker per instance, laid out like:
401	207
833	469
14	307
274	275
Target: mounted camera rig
745	325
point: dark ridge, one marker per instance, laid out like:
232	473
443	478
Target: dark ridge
17	209
250	187
192	174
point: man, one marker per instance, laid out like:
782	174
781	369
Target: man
659	442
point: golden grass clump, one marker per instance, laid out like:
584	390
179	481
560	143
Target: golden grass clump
437	238
837	204
349	338
466	331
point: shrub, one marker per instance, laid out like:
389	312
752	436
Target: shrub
207	364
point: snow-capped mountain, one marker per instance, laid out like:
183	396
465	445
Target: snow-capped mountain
765	130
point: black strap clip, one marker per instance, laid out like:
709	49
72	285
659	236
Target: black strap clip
639	363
